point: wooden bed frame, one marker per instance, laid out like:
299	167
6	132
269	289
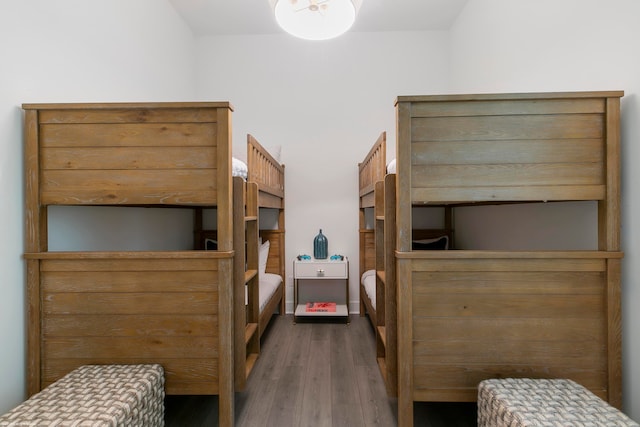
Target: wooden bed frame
372	170
168	307
373	180
469	315
263	189
268	175
377	251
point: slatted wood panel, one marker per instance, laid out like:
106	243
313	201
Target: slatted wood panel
267	173
510	149
276	260
132	311
541	315
371	170
494	317
96	158
367	250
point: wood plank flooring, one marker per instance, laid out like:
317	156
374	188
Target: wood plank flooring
315	374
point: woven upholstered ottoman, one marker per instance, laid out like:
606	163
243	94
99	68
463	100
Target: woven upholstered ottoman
96	395
544	402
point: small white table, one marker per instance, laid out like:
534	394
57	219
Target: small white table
318	281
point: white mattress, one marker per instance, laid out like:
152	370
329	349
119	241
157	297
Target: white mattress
269	282
368	280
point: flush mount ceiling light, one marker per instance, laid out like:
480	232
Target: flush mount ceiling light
315	19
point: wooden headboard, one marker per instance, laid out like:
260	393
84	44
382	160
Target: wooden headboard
81	145
265	171
276	259
130	154
372	169
505	147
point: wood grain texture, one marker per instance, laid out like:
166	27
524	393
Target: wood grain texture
292	384
170	307
267	173
372	169
462	147
246	298
85	322
469	315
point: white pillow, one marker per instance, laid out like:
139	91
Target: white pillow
239	168
366	274
263	255
391	167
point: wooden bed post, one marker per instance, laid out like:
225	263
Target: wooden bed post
403	272
391	288
226	393
283	254
362	260
224	181
609	240
225	243
403	177
405	341
36	241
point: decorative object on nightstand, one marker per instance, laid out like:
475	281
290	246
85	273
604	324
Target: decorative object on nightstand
320	246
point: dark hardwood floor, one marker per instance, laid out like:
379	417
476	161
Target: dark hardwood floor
315	374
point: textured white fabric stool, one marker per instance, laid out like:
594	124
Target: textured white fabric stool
96	395
524	402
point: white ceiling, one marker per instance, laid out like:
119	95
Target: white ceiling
216	17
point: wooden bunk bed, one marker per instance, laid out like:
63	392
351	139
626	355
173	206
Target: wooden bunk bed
377	255
259	261
370	171
468	315
259	254
377	261
168	307
268	175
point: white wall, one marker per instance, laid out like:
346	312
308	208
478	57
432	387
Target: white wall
71	51
567	45
325	104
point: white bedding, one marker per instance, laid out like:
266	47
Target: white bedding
239	168
268	285
368	280
391	167
269	282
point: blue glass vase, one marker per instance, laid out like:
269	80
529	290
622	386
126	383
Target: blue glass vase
320	246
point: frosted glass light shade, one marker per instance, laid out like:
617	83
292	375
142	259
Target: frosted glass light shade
315	19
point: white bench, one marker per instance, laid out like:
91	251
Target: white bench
525	402
96	395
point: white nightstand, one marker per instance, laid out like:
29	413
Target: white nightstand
321	281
